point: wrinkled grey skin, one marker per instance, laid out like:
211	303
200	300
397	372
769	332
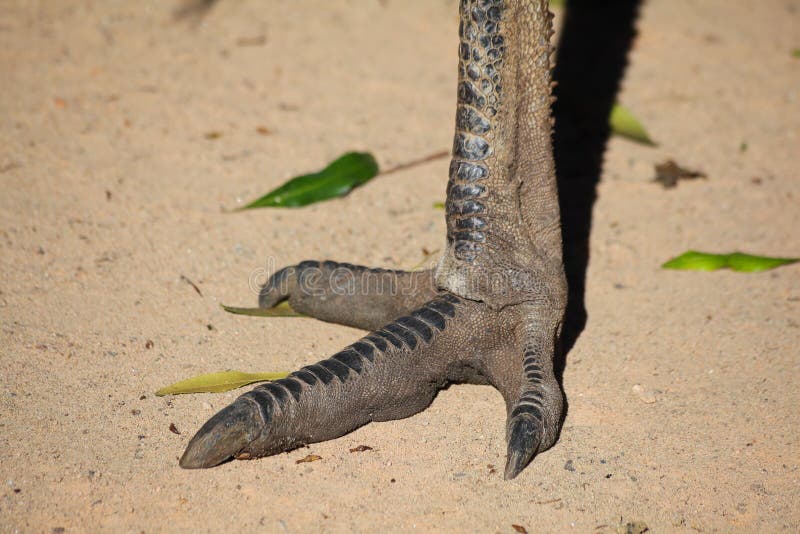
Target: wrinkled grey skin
489	313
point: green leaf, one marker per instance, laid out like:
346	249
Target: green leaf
217	382
697	261
438	205
745	263
282	309
736	261
335	180
624	123
796	53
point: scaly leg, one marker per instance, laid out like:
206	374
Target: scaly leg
494	309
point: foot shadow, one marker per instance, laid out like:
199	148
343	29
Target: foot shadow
592	56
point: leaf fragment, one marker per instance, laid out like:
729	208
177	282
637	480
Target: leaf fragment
438	205
174	429
746	263
623	122
361	448
217	382
693	260
336	180
669	173
282	309
520	529
307	459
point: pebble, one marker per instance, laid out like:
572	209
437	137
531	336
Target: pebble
647	396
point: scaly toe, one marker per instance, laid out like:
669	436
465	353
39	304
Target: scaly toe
223	436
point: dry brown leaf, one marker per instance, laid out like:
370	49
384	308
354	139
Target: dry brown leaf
669	172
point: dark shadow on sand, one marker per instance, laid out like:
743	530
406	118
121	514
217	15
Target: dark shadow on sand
591	59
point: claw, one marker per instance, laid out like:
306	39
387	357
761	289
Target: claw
277	288
223	436
524	438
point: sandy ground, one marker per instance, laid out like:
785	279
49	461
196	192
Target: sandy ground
112	191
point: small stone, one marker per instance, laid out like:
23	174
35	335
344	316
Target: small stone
645	395
568	466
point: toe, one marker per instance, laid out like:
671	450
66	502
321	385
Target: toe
223	436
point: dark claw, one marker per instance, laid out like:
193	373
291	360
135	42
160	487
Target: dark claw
277	287
224	436
524	438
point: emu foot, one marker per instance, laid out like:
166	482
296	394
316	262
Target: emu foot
394	372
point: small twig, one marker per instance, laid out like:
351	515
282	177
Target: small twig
551	501
183	278
416	162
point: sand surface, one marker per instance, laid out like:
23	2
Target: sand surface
124	134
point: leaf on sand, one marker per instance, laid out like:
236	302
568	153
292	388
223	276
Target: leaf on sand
361	448
282	309
307	459
736	261
438	205
217	382
335	180
624	123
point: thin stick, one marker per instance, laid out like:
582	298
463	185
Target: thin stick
416	162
